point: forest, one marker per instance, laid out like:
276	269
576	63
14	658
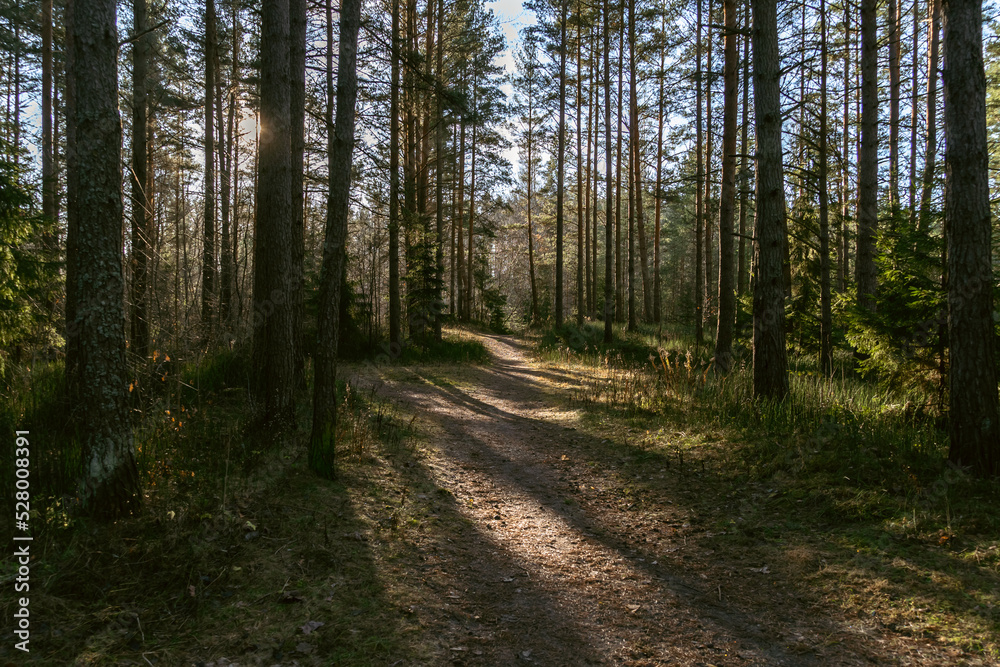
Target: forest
471	332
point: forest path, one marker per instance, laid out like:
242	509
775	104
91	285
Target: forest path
560	557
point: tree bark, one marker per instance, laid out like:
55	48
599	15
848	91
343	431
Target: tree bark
707	220
460	218
110	485
845	161
826	312
894	24
230	212
609	248
438	306
619	250
49	183
647	292
580	200
699	193
974	406
770	360
469	263
273	281
727	203
914	114
395	339
661	75
741	269
588	301
141	181
340	156
630	277
865	270
297	22
531	65
208	287
560	168
72	330
930	154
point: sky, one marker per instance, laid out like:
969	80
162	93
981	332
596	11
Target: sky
513	18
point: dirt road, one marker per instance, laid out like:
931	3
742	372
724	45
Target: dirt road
558	560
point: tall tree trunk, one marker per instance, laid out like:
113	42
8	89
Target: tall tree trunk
914	113
770	358
974	406
17	92
452	258
297	23
741	269
234	143
72	312
596	108
529	204
580	201
845	162
727	203
274	351
894	23
707	218
141	181
56	203
588	293
49	183
661	75
630	277
208	287
440	131
561	166
339	155
110	484
395	338
930	154
469	263
826	312
411	150
460	218
699	206
230	212
865	270
647	292
609	248
619	250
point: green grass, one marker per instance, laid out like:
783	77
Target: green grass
455	348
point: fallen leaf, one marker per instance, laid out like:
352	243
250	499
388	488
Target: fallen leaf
310	626
289	597
303	647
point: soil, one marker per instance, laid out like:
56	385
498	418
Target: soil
558	555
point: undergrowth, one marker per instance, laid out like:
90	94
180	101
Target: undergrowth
213	515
